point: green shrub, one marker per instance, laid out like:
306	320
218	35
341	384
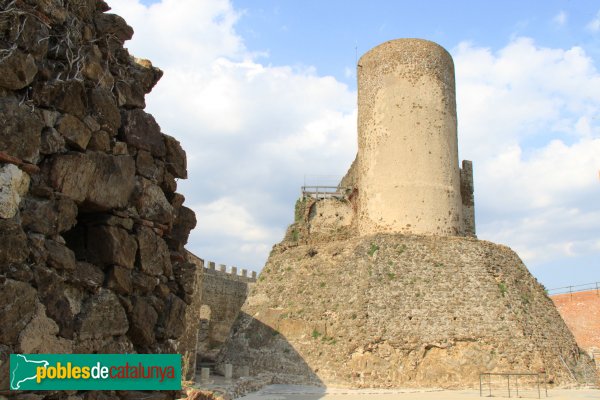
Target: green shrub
373	249
299	209
316	334
502	287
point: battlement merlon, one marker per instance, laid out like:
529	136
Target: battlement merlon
467	190
210	268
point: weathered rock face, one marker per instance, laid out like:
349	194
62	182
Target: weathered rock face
395	311
91	229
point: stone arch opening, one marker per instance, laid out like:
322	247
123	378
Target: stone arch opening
204	357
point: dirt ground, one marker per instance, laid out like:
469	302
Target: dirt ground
290	392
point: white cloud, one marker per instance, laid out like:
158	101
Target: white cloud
251	130
594	25
528	118
560	19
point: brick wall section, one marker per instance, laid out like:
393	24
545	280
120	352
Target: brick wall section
581	312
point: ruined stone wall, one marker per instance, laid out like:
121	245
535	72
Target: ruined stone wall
393	310
223	294
91	227
468	198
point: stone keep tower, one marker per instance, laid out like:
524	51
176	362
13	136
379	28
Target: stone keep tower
378	288
407	174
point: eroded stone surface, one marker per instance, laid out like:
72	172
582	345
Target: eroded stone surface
14	183
154	253
152	203
17	70
71	273
18	301
75	132
108	245
94	179
102	316
39	336
140	130
20	130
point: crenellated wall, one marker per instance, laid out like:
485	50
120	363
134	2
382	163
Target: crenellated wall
224	291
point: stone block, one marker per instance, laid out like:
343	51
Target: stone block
52	142
113	25
40	336
119	280
175	314
18	301
100	141
66	96
75	132
183	225
13	243
19	130
59	256
110	245
176	161
146	166
105	110
140	130
154	253
87	276
102	316
143	319
14	183
205	375
152	204
17	70
143	283
95	180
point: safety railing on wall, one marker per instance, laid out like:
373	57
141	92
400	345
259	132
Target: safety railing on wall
513	384
324	192
586	287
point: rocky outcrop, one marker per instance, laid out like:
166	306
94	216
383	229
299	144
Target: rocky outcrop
91	227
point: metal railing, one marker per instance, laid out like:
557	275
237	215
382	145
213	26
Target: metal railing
324	192
511	387
576	288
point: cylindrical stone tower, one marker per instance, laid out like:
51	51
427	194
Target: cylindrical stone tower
408	175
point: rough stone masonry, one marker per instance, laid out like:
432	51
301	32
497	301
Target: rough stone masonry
91	226
385	285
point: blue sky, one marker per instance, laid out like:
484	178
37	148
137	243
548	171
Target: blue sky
261	93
